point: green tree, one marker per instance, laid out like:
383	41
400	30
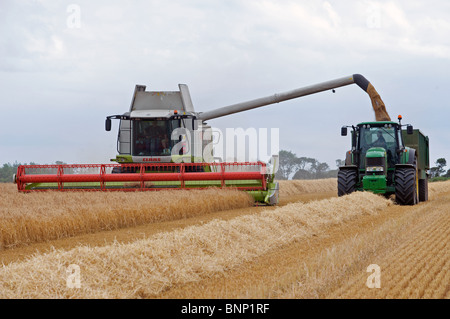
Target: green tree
303	162
287	166
438	170
441	163
302	174
7	171
447	174
294	167
340	163
318	169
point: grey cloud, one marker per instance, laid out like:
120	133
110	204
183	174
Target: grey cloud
227	52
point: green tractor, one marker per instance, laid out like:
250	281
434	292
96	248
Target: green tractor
386	159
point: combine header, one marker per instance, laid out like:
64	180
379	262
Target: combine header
248	177
164	144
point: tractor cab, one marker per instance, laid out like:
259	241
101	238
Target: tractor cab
378	145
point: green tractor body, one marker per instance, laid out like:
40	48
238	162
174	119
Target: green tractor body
386	159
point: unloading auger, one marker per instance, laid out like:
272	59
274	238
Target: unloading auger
156	148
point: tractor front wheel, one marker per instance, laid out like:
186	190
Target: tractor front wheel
406	186
346	181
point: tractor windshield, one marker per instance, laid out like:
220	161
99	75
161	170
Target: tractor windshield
378	136
152	137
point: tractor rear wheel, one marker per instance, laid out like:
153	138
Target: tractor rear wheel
405	186
423	190
346	181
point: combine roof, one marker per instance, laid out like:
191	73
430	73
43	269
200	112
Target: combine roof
160	103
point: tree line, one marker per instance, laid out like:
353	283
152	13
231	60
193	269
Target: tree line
293	167
8	170
290	167
438	171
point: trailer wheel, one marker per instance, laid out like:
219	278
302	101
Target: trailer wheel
346	181
406	186
423	190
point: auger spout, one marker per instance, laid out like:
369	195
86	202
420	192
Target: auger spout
361	81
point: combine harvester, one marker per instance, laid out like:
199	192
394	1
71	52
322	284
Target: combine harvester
154	155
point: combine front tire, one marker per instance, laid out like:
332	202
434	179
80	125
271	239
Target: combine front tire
405	186
346	181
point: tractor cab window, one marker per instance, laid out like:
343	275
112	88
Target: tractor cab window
378	136
152	137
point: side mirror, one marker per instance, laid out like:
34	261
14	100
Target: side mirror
108	124
344	131
409	129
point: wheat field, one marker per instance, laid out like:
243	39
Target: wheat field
298	187
36	217
410	244
180	256
413	268
43	216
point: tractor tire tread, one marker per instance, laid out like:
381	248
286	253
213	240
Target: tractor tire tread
405	186
423	190
346	181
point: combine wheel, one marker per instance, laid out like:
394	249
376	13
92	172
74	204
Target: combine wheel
346	181
116	170
406	186
423	190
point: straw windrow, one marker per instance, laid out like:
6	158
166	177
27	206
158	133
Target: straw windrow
144	268
37	217
147	267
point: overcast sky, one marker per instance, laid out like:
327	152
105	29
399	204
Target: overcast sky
66	65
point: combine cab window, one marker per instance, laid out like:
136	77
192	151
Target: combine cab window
378	136
152	137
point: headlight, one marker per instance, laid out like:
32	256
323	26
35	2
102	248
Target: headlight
374	169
